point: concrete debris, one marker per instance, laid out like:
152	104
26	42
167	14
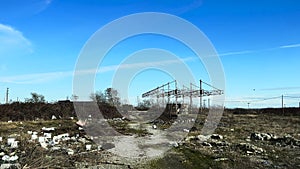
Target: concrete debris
1	139
10	141
261	136
41	139
287	140
202	138
186	130
81	123
48	129
221	159
33	137
10	158
55	148
190	138
216	137
47	135
206	144
70	151
154	126
249	148
53	117
10	166
88	147
174	144
14	144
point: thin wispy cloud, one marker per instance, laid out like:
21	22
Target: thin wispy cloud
50	76
259	50
291	46
281	88
236	53
12	40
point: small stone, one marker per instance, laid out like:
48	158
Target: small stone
186	130
216	137
13	158
53	117
5	158
10	141
55	148
88	147
174	144
34	137
14	144
202	138
206	144
221	159
190	138
70	151
48	129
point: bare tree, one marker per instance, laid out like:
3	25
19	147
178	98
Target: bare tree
111	96
98	97
35	98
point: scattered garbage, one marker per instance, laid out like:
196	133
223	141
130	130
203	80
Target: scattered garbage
81	123
174	144
48	129
88	147
70	151
14	144
34	137
10	158
216	137
53	117
10	141
186	130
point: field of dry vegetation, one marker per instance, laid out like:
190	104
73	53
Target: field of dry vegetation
262	138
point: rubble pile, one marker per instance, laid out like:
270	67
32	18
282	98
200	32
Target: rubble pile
47	139
286	140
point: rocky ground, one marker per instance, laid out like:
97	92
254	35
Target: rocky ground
243	139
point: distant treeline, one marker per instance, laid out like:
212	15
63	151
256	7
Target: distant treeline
19	111
290	111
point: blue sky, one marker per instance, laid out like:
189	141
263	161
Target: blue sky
258	42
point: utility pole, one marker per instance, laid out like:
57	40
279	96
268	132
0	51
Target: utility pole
176	92
7	89
248	105
282	105
191	93
201	96
208	103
